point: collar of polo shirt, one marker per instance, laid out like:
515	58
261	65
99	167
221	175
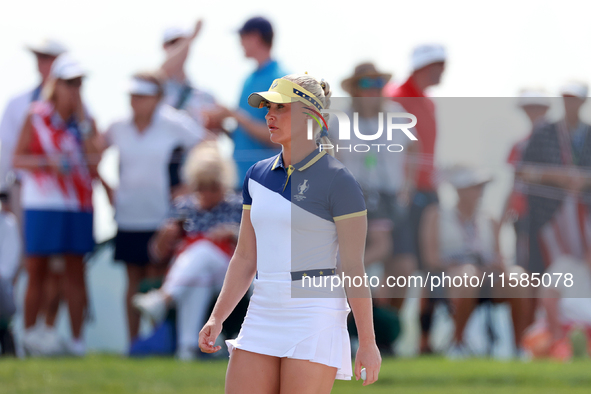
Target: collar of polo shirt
283	91
302	165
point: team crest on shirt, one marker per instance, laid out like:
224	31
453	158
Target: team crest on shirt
302	188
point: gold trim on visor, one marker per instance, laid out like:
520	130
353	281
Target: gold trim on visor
283	91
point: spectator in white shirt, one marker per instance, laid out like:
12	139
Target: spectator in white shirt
10	253
16	110
146	142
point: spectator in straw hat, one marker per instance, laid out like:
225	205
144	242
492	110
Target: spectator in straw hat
383	178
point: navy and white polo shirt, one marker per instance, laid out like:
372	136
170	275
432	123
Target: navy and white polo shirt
294	209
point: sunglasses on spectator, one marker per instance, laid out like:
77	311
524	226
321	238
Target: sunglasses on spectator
371	83
73	83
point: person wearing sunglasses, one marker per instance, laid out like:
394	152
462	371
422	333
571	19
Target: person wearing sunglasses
383	177
57	154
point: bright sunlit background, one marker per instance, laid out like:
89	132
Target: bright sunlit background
494	50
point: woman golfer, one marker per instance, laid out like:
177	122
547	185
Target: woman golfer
301	208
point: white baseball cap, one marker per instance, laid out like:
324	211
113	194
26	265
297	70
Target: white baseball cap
172	33
533	97
574	88
66	67
462	176
47	46
423	55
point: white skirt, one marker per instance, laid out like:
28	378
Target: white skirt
278	325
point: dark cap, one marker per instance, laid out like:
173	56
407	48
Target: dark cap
259	25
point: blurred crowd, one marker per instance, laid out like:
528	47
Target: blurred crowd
178	203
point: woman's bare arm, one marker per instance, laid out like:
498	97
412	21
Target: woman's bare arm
23	159
239	276
351	234
177	58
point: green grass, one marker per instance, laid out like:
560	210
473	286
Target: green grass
112	374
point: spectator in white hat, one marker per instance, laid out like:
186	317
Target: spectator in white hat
463	241
556	165
535	103
179	91
557	155
45	52
57	155
146	141
427	64
15	113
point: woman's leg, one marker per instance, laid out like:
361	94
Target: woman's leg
306	377
135	274
52	295
191	283
253	373
75	292
464	299
37	270
516	297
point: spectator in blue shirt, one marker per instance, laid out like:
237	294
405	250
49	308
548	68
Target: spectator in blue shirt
251	138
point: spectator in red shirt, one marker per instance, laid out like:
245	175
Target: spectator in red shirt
428	64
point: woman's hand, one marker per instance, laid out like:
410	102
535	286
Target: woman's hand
208	335
368	357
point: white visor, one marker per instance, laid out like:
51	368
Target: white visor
142	87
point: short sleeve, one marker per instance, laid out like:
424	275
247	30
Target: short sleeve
246	198
191	132
109	134
346	197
